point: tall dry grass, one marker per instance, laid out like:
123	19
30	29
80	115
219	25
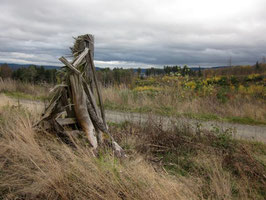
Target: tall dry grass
14	86
235	70
171	164
174	101
36	165
171	101
219	166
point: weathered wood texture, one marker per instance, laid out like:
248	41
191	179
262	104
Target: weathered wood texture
80	107
66	121
75	98
69	65
81	57
97	87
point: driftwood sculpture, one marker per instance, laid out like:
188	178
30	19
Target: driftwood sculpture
74	104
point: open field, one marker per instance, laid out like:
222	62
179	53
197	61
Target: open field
161	164
228	99
237	100
166	159
22	90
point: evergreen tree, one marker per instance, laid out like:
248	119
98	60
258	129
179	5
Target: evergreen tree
139	71
5	71
257	65
199	72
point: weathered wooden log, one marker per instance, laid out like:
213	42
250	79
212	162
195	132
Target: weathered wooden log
91	97
74	132
81	111
97	87
89	43
69	65
67	104
80	57
98	123
119	152
66	121
53	108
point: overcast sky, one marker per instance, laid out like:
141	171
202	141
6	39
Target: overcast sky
135	33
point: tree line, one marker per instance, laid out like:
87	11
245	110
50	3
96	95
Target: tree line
32	74
174	70
115	76
38	74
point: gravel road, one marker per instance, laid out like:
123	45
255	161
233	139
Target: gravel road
239	131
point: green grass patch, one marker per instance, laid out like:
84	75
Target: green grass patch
20	95
118	125
231	119
202	116
244	120
113	106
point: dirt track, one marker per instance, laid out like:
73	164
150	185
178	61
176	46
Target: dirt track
241	131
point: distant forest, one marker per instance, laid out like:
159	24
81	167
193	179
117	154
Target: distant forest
43	74
32	74
39	74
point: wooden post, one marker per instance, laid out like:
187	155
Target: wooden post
89	43
97	88
75	97
81	111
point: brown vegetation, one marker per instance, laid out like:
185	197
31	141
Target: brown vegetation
171	101
220	167
175	101
36	165
18	88
236	70
173	164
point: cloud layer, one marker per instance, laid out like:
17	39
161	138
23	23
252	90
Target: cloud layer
135	33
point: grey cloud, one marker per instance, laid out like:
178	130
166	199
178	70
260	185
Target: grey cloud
144	33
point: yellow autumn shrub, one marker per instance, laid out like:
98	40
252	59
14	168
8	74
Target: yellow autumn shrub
147	88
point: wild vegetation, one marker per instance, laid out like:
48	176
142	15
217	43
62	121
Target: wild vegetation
233	98
235	94
172	164
36	165
236	70
31	74
160	164
24	90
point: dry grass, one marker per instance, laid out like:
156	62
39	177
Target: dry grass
220	180
171	102
32	106
26	90
172	164
36	165
235	70
223	168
